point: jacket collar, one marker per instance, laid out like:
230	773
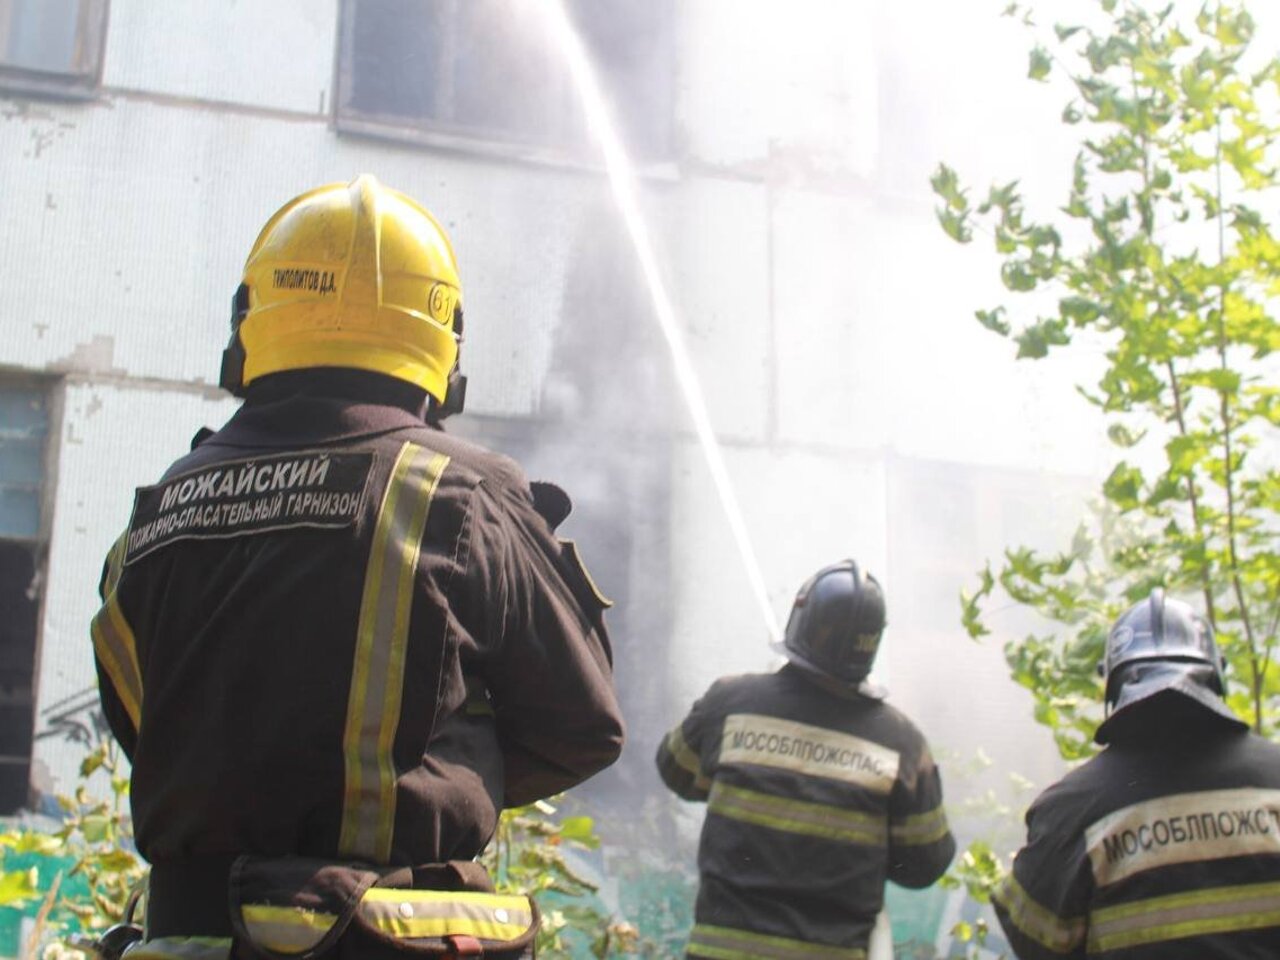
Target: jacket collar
312	420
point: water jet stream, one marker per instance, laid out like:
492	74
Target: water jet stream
623	181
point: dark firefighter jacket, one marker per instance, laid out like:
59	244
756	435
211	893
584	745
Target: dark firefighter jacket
1165	846
334	631
814	799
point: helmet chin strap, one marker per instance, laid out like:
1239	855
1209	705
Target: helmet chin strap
231	376
455	394
455	397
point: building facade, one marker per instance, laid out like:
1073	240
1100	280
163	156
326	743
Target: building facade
784	161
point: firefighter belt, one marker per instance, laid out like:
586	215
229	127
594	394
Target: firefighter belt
302	909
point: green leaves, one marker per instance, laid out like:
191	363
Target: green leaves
92	762
1034	341
1122	436
18	886
1230	27
946	185
95	839
1081	311
971	605
530	854
980	872
993	320
954	214
29	841
95	827
1124	486
1041	62
1169	276
580	830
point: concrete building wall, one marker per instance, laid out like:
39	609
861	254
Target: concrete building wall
827	316
276	56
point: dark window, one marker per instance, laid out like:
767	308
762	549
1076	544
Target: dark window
485	71
23	429
52	46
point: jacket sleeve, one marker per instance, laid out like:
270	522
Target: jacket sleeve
920	842
681	751
548	663
1043	904
116	657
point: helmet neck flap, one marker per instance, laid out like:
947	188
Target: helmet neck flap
1157	649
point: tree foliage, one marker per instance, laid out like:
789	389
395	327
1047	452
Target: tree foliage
531	854
1162	255
95	842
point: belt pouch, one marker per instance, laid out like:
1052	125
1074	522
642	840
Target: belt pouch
301	909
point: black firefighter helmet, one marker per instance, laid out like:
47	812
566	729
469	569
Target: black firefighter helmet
836	623
1161	646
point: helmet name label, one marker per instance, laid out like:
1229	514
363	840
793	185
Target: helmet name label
322	282
1185	828
813	751
317	488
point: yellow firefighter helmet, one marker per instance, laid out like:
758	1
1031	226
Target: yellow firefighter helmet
350	275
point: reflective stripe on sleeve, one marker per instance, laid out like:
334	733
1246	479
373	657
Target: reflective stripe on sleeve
114	642
180	948
921	829
115	563
1038	922
411	914
377	676
286	929
685	758
1196	913
797	816
726	943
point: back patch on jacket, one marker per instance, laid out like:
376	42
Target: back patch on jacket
307	488
813	751
1184	828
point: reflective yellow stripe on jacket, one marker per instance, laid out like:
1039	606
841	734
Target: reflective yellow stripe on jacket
921	829
1196	913
685	758
726	943
377	678
113	639
797	816
1039	922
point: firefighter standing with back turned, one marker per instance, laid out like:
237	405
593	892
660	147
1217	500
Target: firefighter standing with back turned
335	641
817	791
1166	845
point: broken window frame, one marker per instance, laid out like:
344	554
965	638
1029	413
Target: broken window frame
79	79
34	539
571	147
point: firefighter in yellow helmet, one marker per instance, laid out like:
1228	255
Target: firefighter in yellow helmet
335	641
